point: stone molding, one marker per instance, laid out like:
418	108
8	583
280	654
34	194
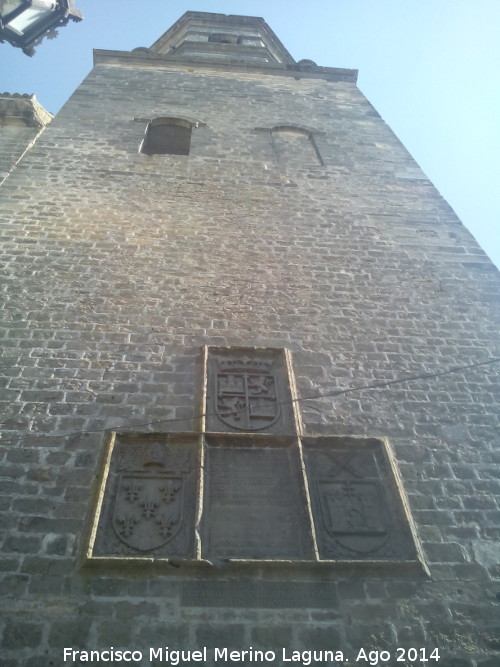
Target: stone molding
149	59
23	110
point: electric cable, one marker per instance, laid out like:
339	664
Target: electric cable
299	399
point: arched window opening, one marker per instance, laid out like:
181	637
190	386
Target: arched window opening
167	136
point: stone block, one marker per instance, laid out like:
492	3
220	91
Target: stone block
15	585
229	635
320	639
270	636
69	632
259	594
19	632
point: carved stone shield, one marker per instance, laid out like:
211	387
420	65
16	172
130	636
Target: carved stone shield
148	508
247	394
353	513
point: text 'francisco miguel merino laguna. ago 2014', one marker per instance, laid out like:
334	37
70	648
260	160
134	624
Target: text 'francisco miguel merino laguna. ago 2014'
176	657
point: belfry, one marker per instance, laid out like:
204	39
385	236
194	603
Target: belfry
250	395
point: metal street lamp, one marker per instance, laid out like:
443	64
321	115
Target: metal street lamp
24	23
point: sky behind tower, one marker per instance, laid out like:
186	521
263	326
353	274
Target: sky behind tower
429	67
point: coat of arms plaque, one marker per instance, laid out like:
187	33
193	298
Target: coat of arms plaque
148	509
246	393
353	513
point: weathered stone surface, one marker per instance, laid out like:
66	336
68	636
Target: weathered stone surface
356	503
255	503
255	594
248	390
149	499
22	119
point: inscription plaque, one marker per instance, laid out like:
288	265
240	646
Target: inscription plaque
255	504
357	510
149	502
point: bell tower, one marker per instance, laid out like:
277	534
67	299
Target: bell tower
250	395
217	37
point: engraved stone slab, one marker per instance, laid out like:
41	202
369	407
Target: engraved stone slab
149	503
148	509
248	390
357	508
254	505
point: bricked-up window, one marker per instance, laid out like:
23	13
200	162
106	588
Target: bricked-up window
167	136
295	147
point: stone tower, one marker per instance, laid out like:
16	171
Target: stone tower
250	392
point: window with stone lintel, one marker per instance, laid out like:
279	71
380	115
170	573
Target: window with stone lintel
167	136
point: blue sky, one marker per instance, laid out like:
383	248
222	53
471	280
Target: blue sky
430	67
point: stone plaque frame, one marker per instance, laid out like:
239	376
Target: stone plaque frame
249	390
147	500
358	504
255	505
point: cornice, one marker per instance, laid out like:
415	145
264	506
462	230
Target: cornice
146	59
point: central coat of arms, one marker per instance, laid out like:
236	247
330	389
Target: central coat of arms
247	393
148	509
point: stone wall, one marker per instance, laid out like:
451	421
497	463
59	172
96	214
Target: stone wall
118	267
